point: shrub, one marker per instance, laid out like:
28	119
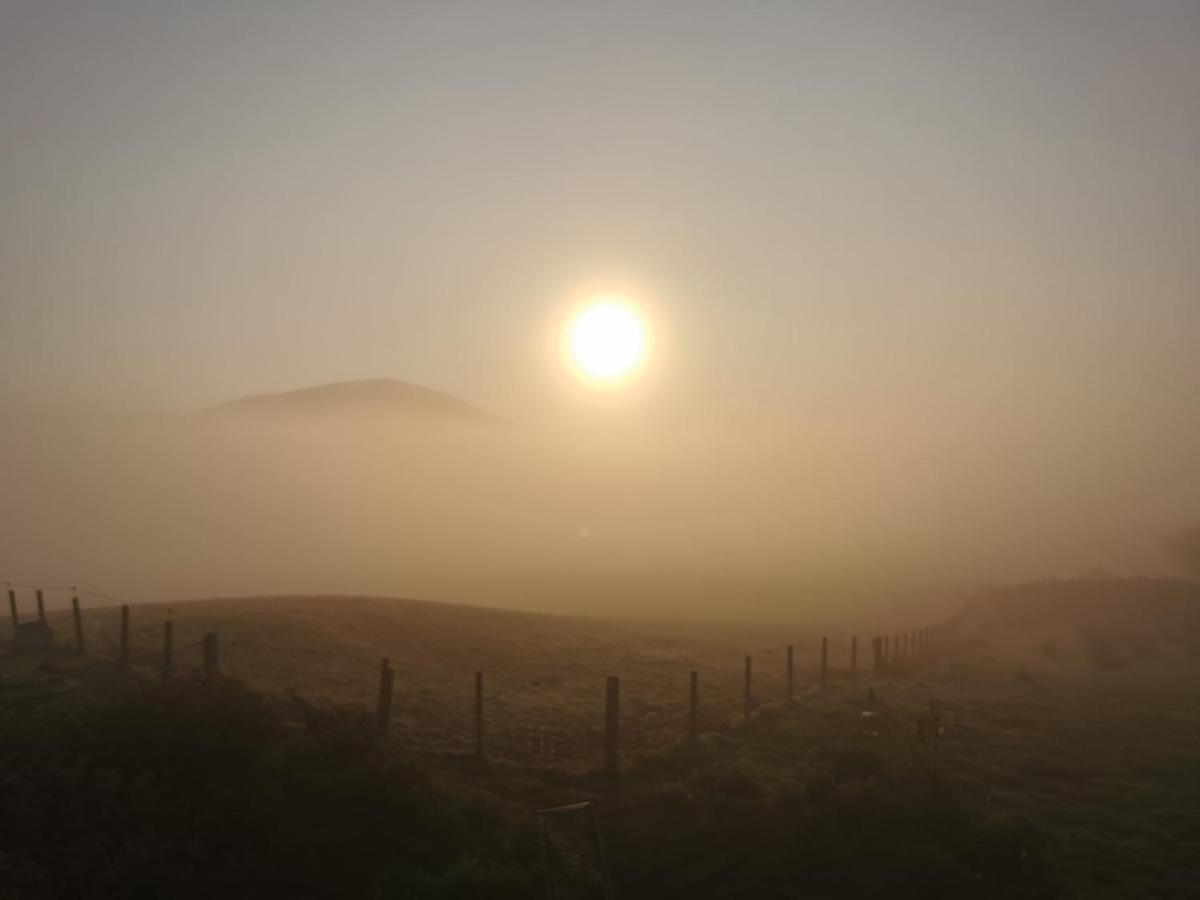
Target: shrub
204	790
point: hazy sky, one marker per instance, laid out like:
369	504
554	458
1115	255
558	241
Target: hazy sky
926	203
951	250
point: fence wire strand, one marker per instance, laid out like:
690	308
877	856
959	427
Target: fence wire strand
540	738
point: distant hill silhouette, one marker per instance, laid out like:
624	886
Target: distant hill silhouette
376	397
1167	604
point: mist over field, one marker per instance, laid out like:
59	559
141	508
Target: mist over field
767	520
917	286
649	450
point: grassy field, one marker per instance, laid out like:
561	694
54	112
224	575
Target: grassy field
544	675
1068	759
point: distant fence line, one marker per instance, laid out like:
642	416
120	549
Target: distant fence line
657	728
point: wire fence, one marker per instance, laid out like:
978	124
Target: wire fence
179	645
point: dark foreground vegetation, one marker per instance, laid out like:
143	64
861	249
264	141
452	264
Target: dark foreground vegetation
215	790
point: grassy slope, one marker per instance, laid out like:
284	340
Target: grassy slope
1103	760
543	672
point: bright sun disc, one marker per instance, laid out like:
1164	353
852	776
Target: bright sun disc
607	340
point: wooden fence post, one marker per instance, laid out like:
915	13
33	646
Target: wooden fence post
896	653
383	706
479	714
41	607
746	699
853	657
887	651
124	659
693	707
168	647
791	678
935	717
877	656
78	615
211	663
612	705
12	607
824	661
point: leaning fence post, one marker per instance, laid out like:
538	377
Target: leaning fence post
693	706
612	702
41	607
12	607
853	657
791	678
168	647
211	665
746	699
383	706
78	624
124	635
824	661
479	714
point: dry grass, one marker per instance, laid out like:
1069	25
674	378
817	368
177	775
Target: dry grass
1103	760
544	675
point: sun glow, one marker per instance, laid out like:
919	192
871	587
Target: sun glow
607	340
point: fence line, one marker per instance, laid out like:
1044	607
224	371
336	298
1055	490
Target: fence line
188	644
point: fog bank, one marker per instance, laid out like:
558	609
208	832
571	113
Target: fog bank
778	524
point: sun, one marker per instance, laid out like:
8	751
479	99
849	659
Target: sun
607	340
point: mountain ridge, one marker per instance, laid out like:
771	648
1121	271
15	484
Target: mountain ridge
374	396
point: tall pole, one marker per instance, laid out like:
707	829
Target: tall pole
791	669
479	714
383	709
693	707
78	616
124	635
612	704
746	699
168	648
